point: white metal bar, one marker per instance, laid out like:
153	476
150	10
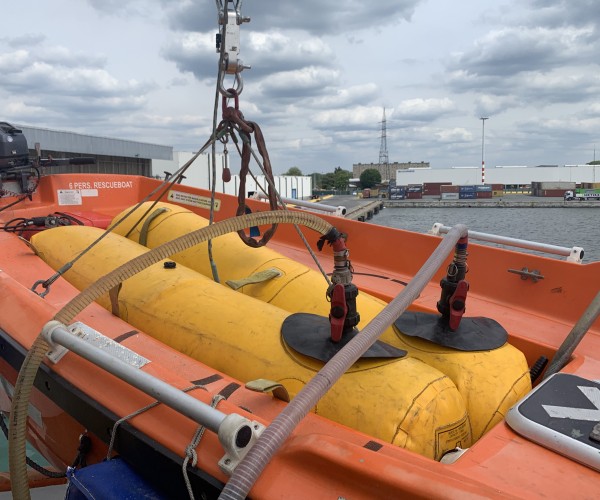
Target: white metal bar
574	254
339	210
211	418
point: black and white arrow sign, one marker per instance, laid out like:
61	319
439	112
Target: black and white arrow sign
561	414
592	393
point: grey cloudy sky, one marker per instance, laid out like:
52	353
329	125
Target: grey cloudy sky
321	73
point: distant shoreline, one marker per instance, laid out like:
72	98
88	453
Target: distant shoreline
504	202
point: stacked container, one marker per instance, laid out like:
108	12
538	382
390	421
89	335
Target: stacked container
433	188
398	193
467	192
414	192
484	191
449	192
554	189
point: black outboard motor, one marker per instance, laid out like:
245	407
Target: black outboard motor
16	166
13	147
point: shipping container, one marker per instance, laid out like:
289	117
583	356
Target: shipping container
466	189
415	188
497	187
414	195
450	196
546	185
434	188
397	196
484	194
483	187
498	192
551	193
467	195
449	189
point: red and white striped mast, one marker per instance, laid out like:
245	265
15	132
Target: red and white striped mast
483	119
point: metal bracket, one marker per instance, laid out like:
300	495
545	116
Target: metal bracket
237	435
525	274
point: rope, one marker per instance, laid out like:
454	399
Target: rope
113	433
190	450
45	284
34	465
284	206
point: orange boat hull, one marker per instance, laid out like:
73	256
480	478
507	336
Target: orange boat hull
321	459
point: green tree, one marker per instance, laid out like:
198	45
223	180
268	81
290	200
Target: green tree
595	162
369	178
295	171
328	181
341	179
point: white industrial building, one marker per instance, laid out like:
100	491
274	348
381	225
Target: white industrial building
507	175
199	175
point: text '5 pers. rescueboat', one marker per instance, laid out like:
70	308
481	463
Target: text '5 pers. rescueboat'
152	345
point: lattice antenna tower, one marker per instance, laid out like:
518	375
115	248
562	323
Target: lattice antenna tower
384	161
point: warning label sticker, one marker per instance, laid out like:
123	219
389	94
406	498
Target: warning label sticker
193	200
69	197
452	436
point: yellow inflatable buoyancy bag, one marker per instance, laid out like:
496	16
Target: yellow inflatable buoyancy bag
401	401
489	381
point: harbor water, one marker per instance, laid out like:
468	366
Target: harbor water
566	227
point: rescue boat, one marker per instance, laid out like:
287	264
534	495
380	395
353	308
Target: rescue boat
164	341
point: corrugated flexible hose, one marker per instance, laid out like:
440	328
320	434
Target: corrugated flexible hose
250	468
26	377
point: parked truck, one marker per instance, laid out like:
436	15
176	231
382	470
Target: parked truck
582	194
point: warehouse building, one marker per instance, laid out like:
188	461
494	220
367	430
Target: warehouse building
387	170
506	175
113	156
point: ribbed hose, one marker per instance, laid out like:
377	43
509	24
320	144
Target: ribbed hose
25	379
250	468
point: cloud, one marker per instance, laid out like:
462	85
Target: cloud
559	13
267	53
420	109
453	135
49	80
345	97
358	117
298	83
25	40
486	105
513	50
312	16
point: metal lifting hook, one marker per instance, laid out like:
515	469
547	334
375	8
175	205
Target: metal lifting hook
228	44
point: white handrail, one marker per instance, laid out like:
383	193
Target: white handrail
573	254
321	207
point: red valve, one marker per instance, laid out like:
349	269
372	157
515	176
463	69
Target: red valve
457	304
338	312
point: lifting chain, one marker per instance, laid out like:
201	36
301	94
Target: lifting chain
234	119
